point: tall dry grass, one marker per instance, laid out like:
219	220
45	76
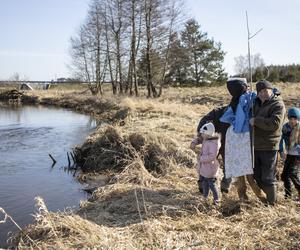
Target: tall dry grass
142	208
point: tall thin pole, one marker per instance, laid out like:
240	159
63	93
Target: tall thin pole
251	84
249	53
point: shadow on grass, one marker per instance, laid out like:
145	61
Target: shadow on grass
120	209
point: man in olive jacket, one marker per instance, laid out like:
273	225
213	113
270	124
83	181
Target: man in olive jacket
267	121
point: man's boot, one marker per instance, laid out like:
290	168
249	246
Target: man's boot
271	194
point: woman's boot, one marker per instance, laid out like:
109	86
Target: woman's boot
256	189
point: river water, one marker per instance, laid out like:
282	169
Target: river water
27	135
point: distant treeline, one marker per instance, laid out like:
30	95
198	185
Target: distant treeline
279	73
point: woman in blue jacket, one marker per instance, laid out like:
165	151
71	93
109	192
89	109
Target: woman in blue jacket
238	155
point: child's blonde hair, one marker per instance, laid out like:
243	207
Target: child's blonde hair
295	136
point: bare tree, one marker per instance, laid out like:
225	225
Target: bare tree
87	49
96	27
78	53
241	66
135	18
161	16
109	57
149	13
116	24
144	26
174	16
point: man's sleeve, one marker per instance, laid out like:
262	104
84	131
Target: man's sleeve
271	123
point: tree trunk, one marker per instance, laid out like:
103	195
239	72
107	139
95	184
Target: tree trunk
119	63
132	64
150	87
196	69
167	51
98	69
118	37
85	60
136	52
98	88
114	88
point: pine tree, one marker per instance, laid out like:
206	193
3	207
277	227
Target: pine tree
205	55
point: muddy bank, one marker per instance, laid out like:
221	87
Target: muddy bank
100	108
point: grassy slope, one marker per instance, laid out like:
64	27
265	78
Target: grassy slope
140	209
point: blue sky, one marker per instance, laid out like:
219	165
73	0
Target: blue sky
35	34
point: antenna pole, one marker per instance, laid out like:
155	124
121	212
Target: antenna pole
251	84
249	53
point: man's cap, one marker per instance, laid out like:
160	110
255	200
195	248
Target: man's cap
263	84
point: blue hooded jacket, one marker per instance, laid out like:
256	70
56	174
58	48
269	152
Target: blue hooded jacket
240	119
285	137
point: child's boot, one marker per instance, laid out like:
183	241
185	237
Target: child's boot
200	186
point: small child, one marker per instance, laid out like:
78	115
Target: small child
290	152
207	165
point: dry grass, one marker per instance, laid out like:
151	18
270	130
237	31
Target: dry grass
143	207
109	149
173	228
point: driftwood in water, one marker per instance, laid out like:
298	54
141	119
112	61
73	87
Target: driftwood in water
69	161
54	161
73	158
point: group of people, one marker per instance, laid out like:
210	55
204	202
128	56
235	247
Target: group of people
248	134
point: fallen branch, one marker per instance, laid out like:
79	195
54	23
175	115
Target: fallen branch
73	157
69	161
54	161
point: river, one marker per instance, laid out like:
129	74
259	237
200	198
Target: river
27	135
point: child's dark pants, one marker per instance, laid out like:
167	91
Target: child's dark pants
209	184
290	174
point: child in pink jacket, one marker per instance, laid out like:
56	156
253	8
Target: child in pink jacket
208	165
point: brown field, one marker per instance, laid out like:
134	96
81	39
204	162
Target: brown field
151	200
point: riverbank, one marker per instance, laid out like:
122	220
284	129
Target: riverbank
151	199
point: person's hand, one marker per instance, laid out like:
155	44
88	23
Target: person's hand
251	121
192	146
